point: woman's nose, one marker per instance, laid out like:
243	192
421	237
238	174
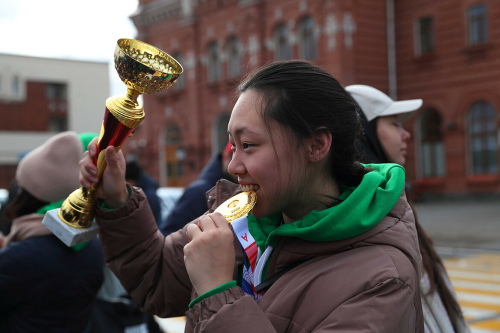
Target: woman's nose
405	135
236	167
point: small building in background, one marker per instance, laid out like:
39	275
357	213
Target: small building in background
40	97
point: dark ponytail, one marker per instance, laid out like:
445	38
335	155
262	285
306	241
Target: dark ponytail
306	99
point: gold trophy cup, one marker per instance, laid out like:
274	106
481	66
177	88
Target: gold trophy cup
145	70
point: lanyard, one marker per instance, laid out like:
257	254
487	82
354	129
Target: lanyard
254	260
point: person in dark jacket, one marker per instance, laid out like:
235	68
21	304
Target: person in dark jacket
193	202
46	286
136	176
386	142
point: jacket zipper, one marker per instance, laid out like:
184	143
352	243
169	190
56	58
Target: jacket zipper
271	258
266	272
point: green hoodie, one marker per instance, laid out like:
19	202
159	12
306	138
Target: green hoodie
361	208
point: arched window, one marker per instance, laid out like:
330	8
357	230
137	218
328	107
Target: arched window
432	152
181	81
219	133
174	155
483	144
308	42
234	57
283	47
214	64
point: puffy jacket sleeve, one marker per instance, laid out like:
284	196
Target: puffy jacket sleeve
388	307
149	266
227	312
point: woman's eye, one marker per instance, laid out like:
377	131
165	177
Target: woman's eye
246	145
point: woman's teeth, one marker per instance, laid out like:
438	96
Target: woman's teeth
246	188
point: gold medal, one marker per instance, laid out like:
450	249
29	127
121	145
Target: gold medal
238	206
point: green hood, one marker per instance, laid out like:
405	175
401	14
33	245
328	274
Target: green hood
362	208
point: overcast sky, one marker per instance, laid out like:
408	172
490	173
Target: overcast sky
77	30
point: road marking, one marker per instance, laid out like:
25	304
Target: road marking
489	324
476	291
476	281
474	297
476	285
480	330
480	276
454	278
479	305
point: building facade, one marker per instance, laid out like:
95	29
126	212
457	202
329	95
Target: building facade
448	54
444	52
40	97
218	42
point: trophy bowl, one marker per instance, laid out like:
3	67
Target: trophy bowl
144	68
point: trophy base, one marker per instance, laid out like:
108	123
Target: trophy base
66	233
78	209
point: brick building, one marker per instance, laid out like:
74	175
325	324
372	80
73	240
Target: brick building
40	97
448	54
445	52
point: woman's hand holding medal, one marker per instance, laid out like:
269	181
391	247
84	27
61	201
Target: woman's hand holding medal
209	256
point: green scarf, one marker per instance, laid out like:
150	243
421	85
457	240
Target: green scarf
361	208
85	138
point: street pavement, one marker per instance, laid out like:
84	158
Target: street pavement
472	224
466	235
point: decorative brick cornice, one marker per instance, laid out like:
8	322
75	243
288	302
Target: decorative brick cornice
157	11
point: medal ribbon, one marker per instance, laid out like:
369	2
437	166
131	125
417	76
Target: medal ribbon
254	261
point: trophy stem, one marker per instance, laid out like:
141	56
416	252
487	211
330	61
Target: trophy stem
132	95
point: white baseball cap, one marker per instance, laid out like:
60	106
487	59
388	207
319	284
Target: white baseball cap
375	103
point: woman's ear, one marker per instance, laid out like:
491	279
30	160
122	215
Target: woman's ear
319	145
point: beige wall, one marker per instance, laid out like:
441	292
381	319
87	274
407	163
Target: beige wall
87	90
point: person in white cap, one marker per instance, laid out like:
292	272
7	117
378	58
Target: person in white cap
386	142
382	120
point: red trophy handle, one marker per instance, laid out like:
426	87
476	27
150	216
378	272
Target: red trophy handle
113	133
